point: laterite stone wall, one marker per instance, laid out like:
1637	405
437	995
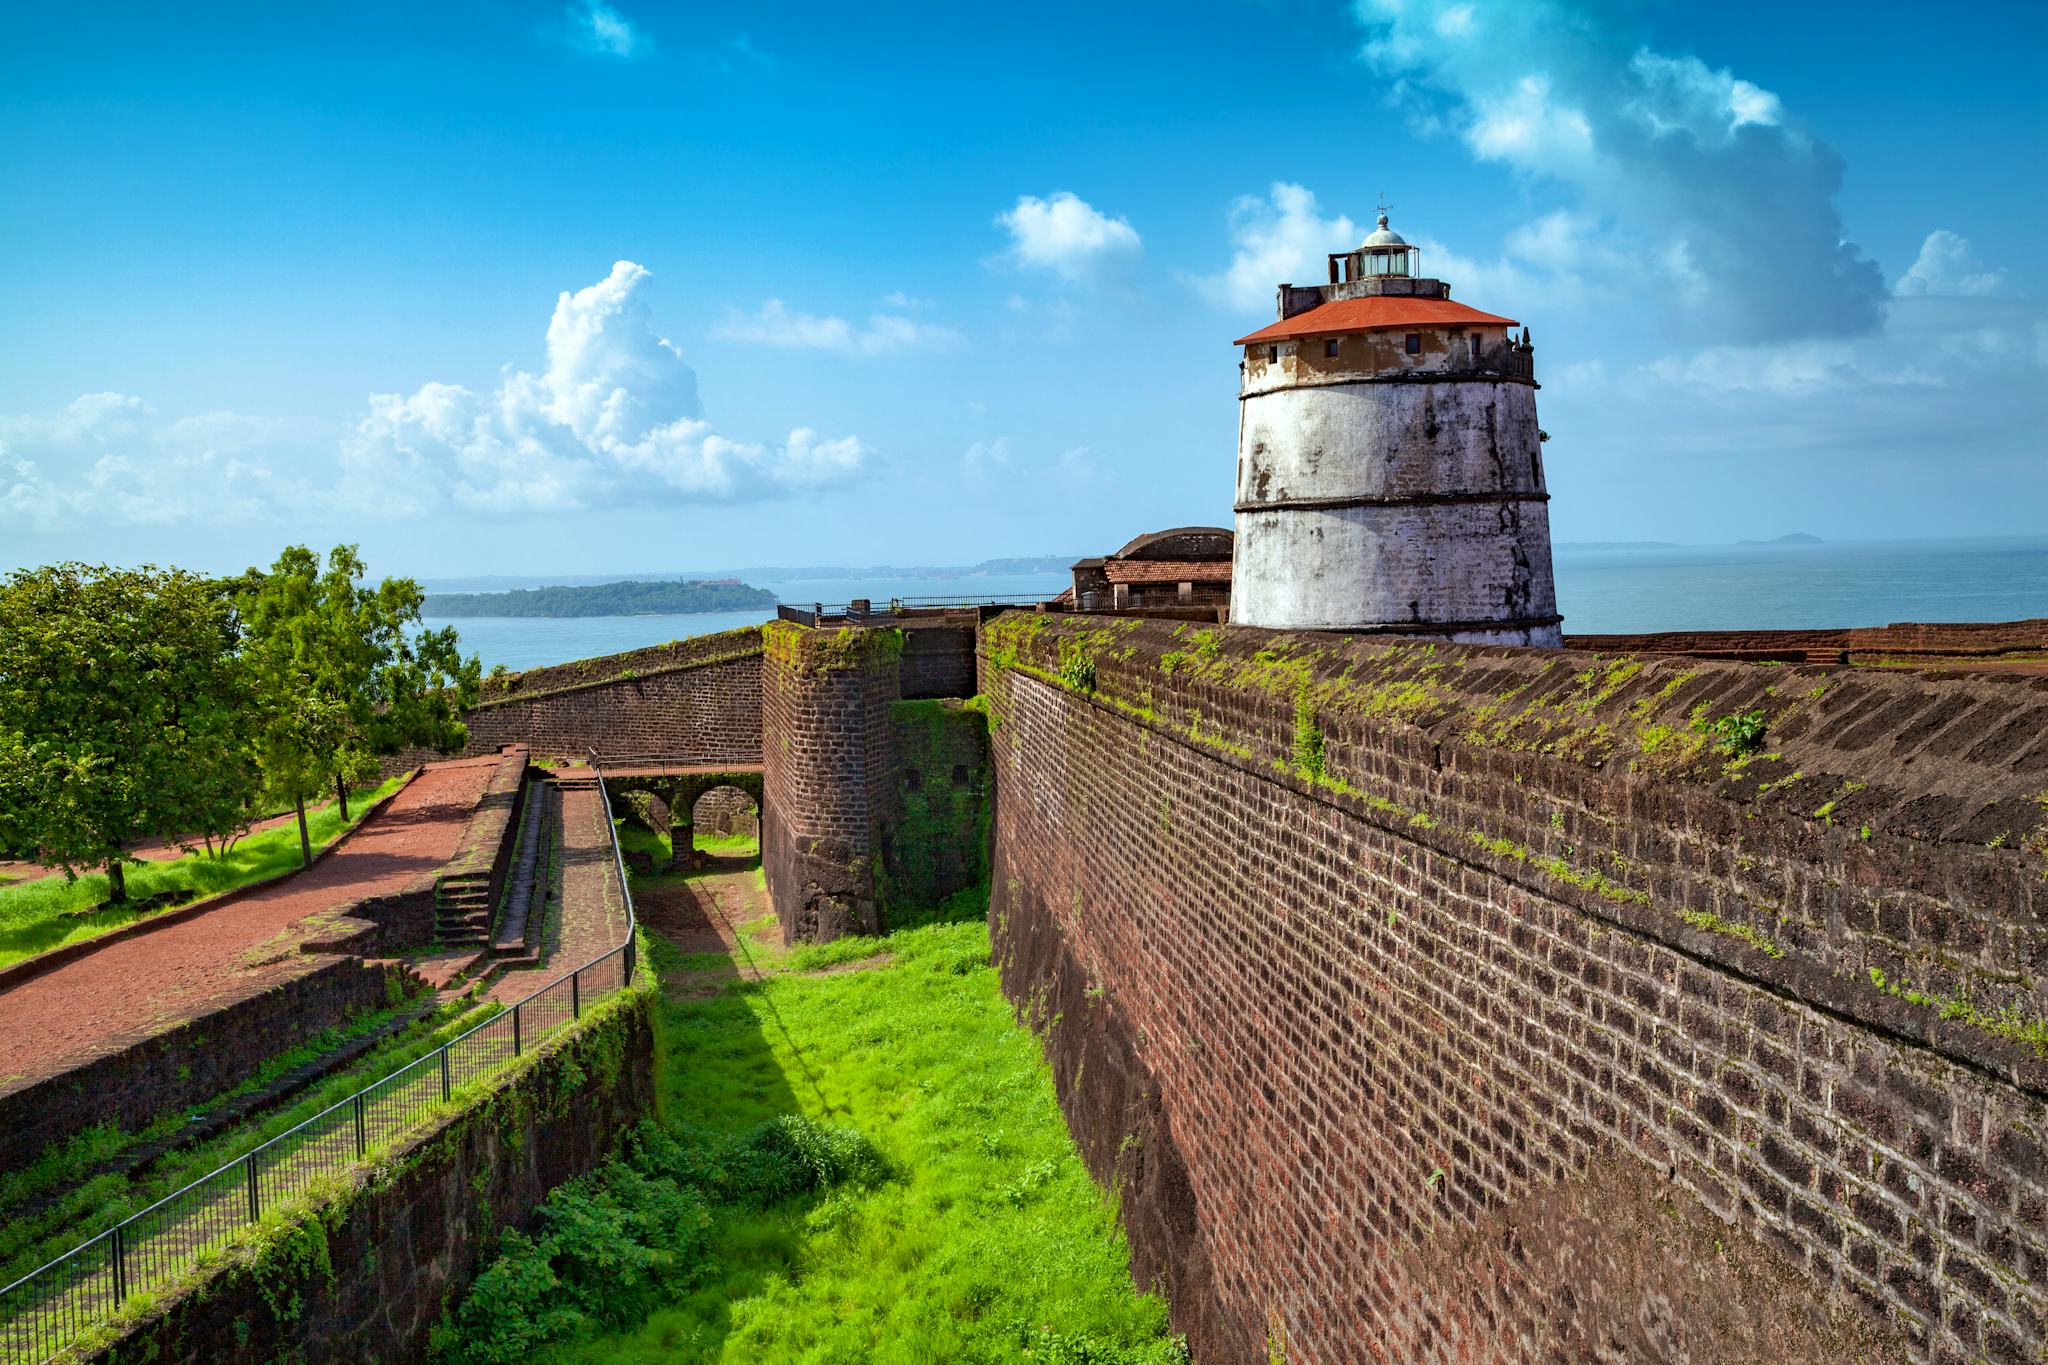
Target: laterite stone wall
827	775
690	701
367	1277
937	842
1463	1004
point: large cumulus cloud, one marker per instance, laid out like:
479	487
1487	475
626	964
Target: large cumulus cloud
1697	173
612	419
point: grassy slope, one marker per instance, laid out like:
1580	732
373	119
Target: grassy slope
49	912
989	1241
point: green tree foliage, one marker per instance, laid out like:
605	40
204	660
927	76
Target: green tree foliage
123	713
344	673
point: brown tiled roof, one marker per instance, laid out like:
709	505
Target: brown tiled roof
1168	570
1371	314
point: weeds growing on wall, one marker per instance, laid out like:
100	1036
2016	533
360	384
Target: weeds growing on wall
44	1213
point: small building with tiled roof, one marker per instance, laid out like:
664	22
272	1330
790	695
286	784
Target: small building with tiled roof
1184	570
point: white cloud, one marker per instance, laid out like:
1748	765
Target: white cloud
1281	237
1066	235
775	324
1948	265
610	420
986	456
602	31
1697	175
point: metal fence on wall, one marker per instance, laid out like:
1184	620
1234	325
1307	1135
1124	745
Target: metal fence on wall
49	1308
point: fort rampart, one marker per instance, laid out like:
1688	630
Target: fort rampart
689	701
1431	1003
368	1273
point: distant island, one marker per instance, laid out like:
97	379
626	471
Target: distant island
1025	564
630	598
1796	538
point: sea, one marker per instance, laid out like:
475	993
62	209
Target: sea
1601	589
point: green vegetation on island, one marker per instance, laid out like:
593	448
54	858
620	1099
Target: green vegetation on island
628	598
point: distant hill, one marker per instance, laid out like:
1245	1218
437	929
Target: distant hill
1796	538
630	598
499	583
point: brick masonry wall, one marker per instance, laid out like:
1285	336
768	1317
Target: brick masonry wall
938	660
391	1258
827	773
936	843
189	1063
726	810
693	701
1960	639
1464	1004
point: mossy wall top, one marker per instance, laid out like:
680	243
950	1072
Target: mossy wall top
1874	838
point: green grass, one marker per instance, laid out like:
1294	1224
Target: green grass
49	912
987	1239
726	845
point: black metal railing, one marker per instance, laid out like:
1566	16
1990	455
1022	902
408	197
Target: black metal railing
865	609
47	1309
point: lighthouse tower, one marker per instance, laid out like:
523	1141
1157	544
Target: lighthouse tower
1389	466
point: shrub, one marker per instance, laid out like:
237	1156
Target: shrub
1740	734
610	1246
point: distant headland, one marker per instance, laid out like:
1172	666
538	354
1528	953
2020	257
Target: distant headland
629	598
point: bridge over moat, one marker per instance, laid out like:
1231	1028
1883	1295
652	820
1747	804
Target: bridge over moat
669	792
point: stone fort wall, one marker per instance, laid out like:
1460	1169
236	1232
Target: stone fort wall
874	778
1446	1004
692	701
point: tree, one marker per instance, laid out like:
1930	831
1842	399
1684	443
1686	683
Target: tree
123	713
345	674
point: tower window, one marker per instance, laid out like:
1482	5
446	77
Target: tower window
1275	357
1415	343
1330	348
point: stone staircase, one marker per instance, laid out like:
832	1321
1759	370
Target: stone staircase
462	909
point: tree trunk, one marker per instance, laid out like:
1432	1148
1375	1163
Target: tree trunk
305	840
341	795
117	882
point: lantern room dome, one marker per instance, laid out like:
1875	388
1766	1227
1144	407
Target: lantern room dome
1383	236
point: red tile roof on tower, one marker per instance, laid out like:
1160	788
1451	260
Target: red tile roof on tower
1374	313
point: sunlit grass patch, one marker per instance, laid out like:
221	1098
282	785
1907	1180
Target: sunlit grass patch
986	1239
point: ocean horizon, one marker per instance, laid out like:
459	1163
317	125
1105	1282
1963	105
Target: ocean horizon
1601	589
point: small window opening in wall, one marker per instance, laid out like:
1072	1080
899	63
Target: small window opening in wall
911	780
1330	348
1415	343
1275	357
959	774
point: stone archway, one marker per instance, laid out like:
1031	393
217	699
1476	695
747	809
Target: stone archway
667	799
727	811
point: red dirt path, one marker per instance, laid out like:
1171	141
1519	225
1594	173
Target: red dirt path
126	991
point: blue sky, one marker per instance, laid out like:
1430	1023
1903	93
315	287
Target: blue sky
492	287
